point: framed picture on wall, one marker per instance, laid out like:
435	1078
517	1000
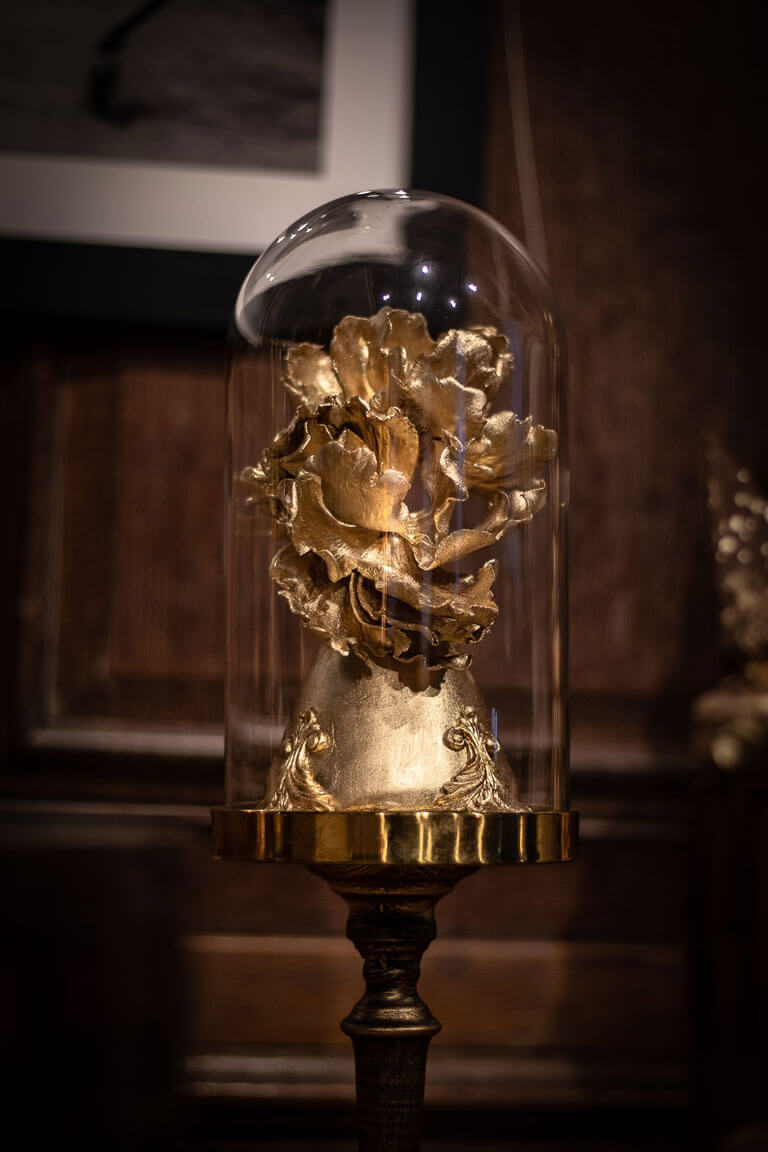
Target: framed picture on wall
149	151
186	124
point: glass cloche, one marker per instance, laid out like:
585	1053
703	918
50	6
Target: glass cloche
397	496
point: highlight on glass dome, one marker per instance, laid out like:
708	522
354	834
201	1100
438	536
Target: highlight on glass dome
398	489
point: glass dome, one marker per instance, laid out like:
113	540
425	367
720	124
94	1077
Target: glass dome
397	496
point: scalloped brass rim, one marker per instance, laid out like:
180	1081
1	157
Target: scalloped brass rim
244	832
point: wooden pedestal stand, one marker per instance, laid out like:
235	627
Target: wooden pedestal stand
392	868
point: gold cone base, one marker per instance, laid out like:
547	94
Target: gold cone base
365	738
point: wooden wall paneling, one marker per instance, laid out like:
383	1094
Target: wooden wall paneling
647	125
18	609
83	496
619	134
168	619
125	541
601	995
14	428
29	700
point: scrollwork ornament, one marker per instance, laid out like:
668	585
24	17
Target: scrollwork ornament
476	787
297	789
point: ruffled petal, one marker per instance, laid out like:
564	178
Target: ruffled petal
320	603
394	440
477	358
508	452
344	614
364	351
309	375
358	360
443	408
406	330
355	492
313	528
389	433
284	456
502	360
505	511
316	436
385	629
464	606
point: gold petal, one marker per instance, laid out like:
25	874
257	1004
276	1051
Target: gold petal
406	330
313	528
333	612
351	441
459	353
355	492
477	358
360	363
315	436
390	565
389	434
443	408
508	452
364	350
352	415
344	615
309	375
393	631
319	603
255	484
290	445
502	360
395	441
501	516
487	380
409	635
445	483
525	503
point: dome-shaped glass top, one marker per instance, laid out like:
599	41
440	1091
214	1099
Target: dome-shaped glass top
396	630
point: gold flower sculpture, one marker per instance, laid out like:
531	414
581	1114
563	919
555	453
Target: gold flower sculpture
392	435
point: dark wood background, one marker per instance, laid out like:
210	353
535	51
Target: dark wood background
154	997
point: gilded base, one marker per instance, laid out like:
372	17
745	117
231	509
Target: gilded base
465	839
376	738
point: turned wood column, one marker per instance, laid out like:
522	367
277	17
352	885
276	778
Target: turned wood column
391	923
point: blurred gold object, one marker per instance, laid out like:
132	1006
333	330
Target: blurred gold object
731	721
741	551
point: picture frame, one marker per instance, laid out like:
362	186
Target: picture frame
50	271
365	123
